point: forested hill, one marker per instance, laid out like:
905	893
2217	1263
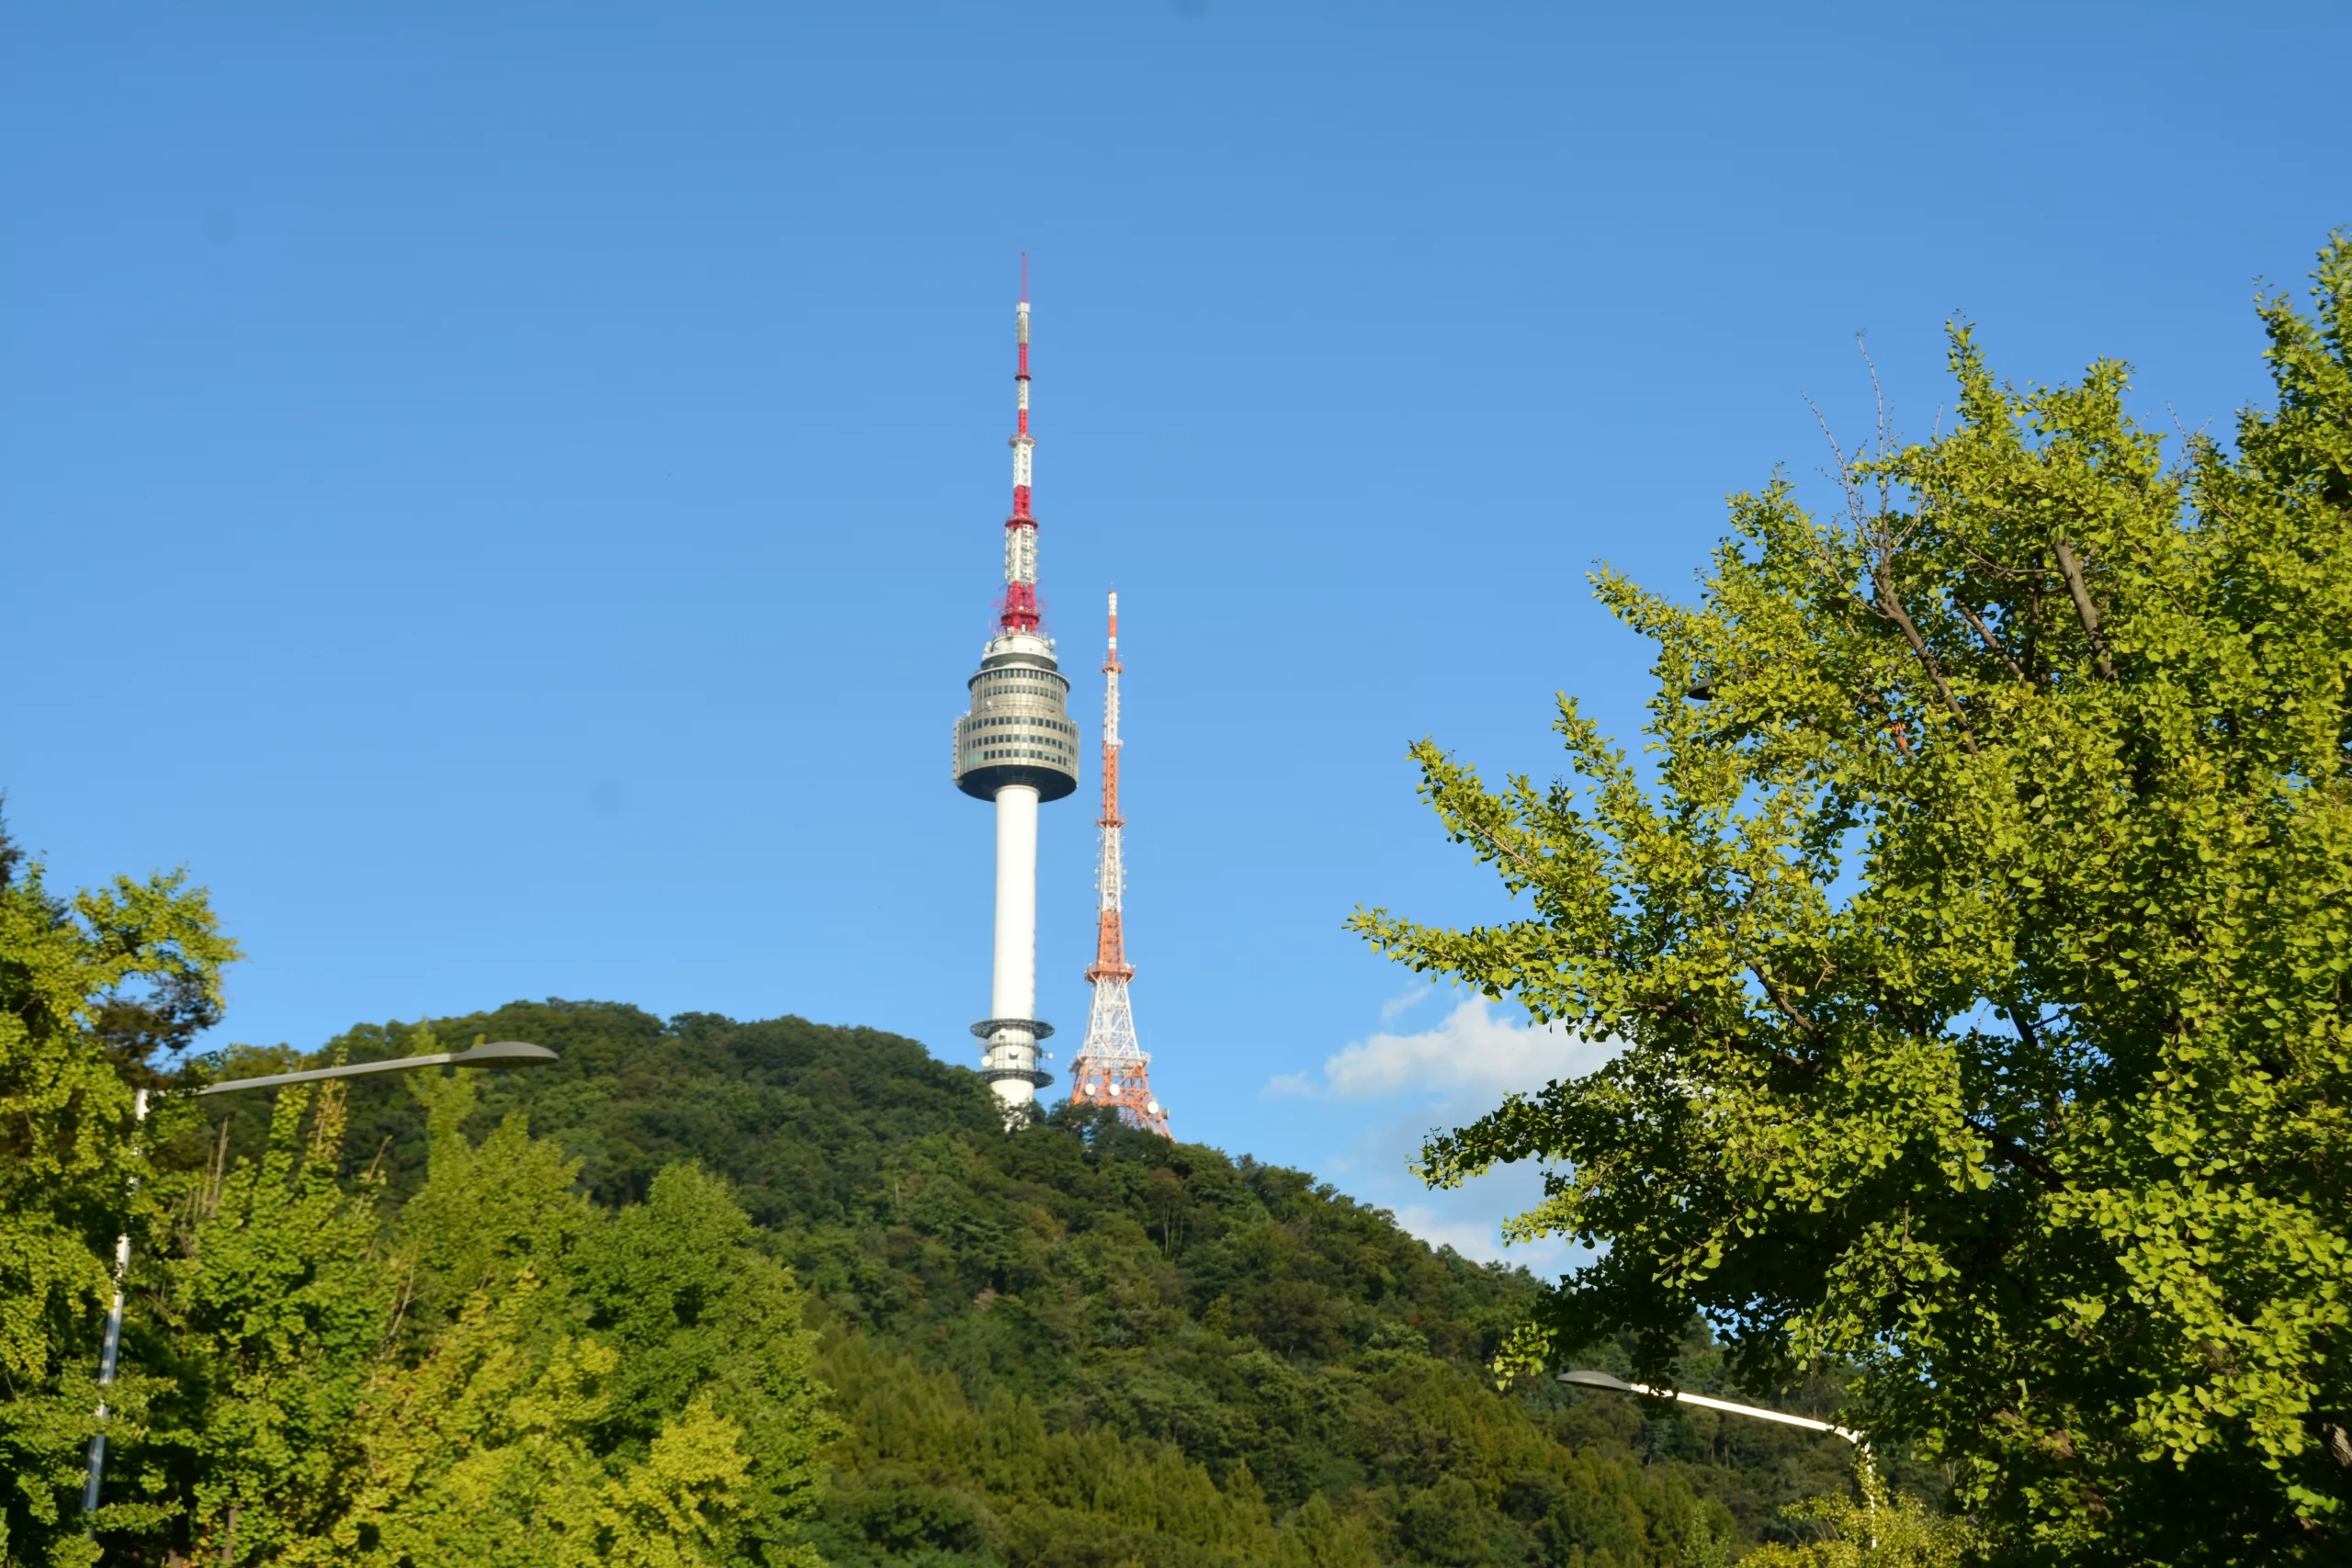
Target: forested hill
1082	1344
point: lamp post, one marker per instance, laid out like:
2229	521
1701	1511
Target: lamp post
496	1053
1582	1379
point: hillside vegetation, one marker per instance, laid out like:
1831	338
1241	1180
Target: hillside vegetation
1081	1345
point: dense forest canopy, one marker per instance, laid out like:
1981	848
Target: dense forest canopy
1081	1344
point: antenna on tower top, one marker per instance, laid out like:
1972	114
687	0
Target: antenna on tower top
1020	610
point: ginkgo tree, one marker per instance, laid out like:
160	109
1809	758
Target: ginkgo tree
495	1373
93	985
1978	931
505	1374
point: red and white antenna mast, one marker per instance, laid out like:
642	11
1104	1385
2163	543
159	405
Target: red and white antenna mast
1020	613
1110	1068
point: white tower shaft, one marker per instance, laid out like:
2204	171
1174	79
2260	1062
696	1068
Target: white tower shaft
1013	991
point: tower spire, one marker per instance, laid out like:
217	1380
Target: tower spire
1110	1068
1019	612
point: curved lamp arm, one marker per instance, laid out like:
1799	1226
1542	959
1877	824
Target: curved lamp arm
1617	1385
497	1053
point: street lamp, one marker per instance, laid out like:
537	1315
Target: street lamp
496	1053
1862	1444
1616	1385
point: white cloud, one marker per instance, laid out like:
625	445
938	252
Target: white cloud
1407	1000
1385	1094
1471	1054
1469	1218
1478	1240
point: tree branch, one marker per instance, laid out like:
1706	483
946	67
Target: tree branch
2339	1444
1788	1008
1890	604
2017	1154
2089	612
1533	871
2026	1029
1870	527
1986	632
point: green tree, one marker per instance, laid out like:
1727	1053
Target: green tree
91	988
545	1382
483	1453
1880	1530
263	1320
1979	941
679	1287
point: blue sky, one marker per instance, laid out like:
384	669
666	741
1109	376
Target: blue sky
509	495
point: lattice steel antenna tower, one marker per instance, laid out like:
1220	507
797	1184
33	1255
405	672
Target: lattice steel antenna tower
1017	746
1110	1068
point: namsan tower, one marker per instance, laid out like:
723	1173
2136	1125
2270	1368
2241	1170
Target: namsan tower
1017	746
1110	1068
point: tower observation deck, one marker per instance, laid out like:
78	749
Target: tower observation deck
1015	746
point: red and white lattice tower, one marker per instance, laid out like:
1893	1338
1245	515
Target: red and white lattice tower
1016	747
1110	1068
